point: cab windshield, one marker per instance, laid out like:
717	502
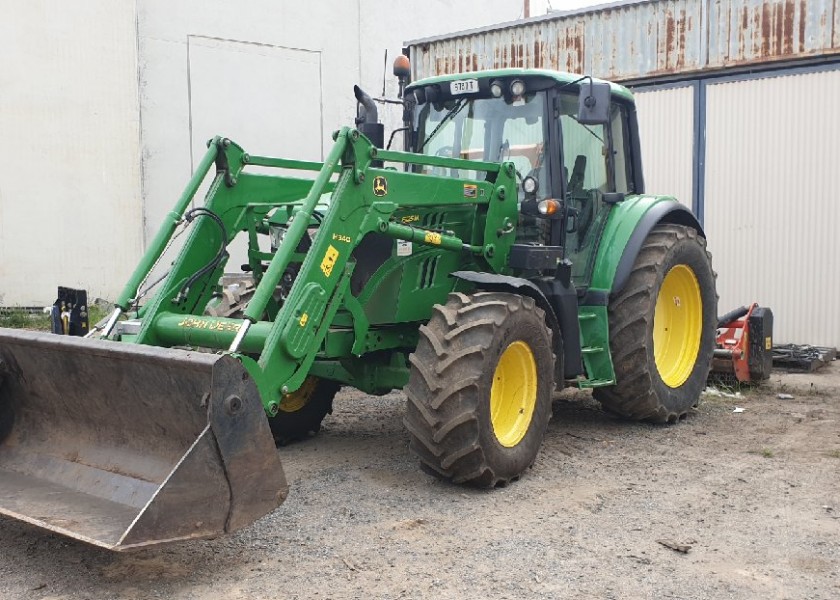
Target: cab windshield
487	129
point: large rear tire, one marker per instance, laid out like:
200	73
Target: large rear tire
479	393
662	328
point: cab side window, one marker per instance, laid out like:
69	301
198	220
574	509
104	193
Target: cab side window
585	154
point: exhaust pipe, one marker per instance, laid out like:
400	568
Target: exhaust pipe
367	121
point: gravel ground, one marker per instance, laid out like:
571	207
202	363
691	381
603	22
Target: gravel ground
755	494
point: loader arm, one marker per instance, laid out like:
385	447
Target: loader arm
136	439
278	354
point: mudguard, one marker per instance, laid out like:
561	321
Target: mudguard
628	225
560	311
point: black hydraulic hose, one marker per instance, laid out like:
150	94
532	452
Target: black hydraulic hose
393	133
214	262
732	315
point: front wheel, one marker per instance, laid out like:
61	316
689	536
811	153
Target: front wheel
662	328
302	411
479	392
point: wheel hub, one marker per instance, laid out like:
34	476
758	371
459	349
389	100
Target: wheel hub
513	394
296	400
677	325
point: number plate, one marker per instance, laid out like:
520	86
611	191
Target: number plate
463	86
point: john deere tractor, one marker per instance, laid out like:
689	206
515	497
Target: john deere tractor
508	250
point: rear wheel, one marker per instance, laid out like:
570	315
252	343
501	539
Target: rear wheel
662	328
302	411
479	393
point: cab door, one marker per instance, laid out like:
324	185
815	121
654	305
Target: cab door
594	162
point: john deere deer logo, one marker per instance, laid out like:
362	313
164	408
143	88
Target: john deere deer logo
380	186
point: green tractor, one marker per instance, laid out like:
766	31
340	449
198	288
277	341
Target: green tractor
507	251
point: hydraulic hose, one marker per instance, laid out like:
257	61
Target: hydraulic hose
222	254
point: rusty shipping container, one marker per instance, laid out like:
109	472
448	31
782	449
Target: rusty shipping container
643	39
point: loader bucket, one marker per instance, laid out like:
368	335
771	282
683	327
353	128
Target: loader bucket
128	446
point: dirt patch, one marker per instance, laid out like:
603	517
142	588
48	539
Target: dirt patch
754	493
138	568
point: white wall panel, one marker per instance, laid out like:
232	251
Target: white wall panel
69	164
259	105
96	111
666	130
248	71
771	209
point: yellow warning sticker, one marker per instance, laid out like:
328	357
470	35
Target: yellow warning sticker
330	256
768	343
432	238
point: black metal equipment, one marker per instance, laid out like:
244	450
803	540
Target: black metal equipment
69	315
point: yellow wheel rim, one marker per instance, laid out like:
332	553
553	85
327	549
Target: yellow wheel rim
677	326
513	394
299	398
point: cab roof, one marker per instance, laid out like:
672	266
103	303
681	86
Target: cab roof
560	77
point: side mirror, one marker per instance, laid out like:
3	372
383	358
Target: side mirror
594	103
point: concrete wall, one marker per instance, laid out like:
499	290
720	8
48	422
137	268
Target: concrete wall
105	107
70	203
275	77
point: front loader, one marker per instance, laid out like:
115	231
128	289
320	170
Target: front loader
507	251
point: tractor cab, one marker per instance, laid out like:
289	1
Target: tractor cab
567	136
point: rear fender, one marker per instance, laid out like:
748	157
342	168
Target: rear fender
628	226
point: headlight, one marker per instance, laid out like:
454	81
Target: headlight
496	88
529	184
517	87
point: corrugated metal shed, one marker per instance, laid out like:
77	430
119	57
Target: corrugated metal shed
666	132
770	211
641	39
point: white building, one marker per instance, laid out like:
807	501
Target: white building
105	106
